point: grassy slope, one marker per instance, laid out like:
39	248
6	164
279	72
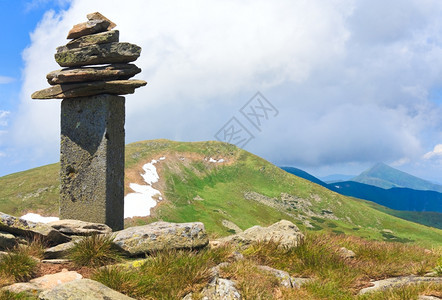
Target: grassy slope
222	186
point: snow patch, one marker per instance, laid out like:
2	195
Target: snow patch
38	219
212	160
139	204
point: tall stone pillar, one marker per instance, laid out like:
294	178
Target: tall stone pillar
92	120
92	159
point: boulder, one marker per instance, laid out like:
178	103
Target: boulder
111	72
397	282
7	240
77	227
74	90
98	38
217	289
58	251
109	53
47	282
160	236
89	27
30	229
82	289
283	232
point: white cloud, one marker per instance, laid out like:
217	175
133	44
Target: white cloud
3	117
350	78
6	79
436	153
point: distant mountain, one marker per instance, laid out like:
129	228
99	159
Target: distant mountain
424	207
305	175
386	177
395	198
336	178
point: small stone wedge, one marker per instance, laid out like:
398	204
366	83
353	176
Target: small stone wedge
77	227
160	236
98	16
97	54
89	27
74	90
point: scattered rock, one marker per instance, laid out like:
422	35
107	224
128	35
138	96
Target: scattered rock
283	232
47	282
345	253
97	54
231	226
76	227
161	235
30	229
111	72
84	89
58	251
283	276
423	297
98	38
56	261
7	240
297	282
82	289
218	289
89	27
397	282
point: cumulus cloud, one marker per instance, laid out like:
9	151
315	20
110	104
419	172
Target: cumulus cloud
3	117
436	153
351	79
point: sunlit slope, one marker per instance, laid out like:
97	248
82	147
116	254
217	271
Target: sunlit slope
239	188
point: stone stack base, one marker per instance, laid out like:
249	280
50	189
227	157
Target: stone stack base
92	160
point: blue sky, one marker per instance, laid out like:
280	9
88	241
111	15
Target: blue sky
354	82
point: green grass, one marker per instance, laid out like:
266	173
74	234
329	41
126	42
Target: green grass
17	266
173	274
95	251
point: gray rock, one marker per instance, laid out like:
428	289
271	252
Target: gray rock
161	235
22	227
106	73
218	289
423	297
345	253
97	54
89	27
283	276
98	38
232	226
98	16
58	251
86	89
297	282
56	261
397	282
7	240
77	227
283	232
82	289
37	285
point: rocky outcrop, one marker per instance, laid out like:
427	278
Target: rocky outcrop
283	232
28	229
58	251
82	289
160	236
82	228
346	253
398	282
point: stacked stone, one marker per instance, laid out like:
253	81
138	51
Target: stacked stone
93	43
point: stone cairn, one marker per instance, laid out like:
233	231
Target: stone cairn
92	119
